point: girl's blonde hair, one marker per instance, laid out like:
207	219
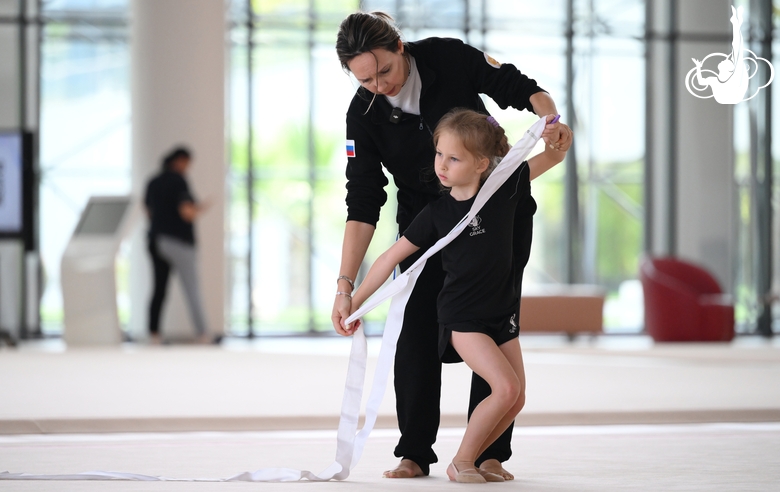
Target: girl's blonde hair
481	137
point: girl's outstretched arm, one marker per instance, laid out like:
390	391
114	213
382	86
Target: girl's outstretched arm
541	163
379	272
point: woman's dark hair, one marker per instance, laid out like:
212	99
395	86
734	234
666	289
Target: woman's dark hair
478	135
362	32
173	155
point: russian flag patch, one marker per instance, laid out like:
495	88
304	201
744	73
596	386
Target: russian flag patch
350	148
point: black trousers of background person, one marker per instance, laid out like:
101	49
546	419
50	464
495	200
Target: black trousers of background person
162	270
417	365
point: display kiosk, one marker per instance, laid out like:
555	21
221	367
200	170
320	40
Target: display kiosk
88	272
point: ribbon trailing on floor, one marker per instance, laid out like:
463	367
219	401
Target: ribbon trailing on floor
350	442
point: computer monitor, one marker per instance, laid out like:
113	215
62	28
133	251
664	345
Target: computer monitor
11	183
102	216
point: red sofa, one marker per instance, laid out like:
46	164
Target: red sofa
684	303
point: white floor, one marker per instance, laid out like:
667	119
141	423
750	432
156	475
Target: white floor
297	384
706	457
716	408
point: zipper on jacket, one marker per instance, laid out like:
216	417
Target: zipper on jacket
423	123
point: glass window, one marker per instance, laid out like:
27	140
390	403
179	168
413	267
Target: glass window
776	173
299	98
749	132
84	128
299	95
608	90
776	168
298	149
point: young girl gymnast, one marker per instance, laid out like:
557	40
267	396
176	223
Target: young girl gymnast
478	306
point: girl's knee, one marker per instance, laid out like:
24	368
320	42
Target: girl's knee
509	392
520	403
515	408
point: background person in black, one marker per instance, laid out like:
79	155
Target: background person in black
172	210
405	90
477	306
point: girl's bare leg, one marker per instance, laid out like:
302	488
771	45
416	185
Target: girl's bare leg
483	357
512	350
514	355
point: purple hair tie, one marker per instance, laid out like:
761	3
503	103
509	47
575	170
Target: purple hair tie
493	121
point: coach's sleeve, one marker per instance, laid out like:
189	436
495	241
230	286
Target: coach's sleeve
365	179
502	82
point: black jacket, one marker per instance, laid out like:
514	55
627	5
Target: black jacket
453	75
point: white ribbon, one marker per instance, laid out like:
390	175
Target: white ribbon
350	443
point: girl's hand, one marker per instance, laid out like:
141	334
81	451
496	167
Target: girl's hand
342	308
351	328
565	141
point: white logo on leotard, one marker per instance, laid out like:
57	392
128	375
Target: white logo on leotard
730	84
476	228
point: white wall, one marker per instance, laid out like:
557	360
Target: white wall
178	98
